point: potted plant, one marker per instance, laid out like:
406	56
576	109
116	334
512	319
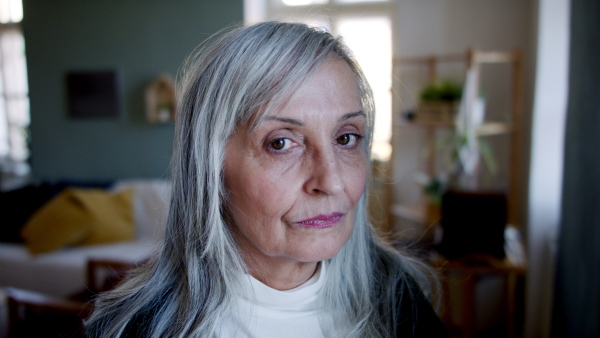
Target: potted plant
439	101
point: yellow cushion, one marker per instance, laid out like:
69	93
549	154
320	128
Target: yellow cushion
113	216
80	216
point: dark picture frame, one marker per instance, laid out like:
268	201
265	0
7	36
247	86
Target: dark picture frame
93	94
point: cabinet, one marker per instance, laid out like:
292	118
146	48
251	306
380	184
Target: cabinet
501	126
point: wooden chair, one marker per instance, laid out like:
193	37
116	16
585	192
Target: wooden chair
106	274
32	314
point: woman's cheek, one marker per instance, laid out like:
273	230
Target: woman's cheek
358	180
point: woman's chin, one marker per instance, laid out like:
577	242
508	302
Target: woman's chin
317	253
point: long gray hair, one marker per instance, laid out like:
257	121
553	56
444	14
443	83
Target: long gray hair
186	290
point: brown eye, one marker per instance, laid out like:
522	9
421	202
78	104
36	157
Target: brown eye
344	139
279	143
348	139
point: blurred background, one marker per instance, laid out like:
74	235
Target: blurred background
485	138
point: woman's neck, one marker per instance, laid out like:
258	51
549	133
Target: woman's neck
282	274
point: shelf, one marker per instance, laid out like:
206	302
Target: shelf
161	100
438	123
426	123
414	212
495	57
495	128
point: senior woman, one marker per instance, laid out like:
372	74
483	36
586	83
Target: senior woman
268	234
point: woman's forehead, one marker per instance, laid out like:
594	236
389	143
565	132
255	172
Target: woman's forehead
331	90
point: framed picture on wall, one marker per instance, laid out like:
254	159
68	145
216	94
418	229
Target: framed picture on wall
93	94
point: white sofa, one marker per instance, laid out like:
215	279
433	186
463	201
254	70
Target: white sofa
62	273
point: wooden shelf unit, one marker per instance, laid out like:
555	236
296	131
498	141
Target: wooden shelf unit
477	59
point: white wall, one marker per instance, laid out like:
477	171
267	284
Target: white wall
452	26
545	187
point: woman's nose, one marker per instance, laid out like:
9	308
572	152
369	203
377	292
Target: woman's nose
325	175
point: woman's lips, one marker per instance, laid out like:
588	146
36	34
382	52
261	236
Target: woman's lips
321	221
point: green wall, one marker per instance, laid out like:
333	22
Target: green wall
139	38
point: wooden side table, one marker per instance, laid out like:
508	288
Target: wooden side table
469	269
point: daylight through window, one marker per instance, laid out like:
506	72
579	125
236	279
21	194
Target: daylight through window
14	100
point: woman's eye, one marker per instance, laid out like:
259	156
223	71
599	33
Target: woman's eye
280	143
348	139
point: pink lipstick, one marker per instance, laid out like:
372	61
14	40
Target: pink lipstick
321	221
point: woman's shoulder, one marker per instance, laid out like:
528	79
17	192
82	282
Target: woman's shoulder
413	312
415	316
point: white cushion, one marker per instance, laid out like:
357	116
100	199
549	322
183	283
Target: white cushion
151	206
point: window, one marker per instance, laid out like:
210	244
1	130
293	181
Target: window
14	101
366	28
11	11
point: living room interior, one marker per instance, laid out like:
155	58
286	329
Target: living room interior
139	47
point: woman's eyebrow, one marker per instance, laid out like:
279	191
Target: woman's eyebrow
285	119
351	115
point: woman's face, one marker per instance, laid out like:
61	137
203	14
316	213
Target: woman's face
294	180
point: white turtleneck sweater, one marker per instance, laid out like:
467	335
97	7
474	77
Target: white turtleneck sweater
261	311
